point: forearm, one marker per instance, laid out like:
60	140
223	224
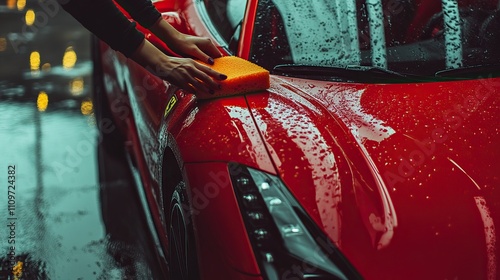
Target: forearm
201	48
146	14
166	32
142	11
150	57
182	72
104	19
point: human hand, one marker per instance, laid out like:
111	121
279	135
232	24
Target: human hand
182	72
189	75
200	48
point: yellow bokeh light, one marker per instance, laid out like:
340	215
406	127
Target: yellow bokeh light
42	101
46	67
69	58
87	107
11	4
30	17
3	44
76	86
17	270
21	4
35	61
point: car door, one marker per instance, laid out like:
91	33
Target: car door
153	101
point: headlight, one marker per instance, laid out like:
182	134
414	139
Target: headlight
284	240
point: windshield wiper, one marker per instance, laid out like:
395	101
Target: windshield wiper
350	73
471	72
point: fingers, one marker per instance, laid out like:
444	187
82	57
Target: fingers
209	48
199	54
210	75
193	76
182	72
204	50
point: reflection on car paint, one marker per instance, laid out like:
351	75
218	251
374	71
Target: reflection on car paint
346	102
186	123
350	153
317	160
490	235
301	152
249	137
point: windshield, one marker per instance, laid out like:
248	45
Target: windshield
419	37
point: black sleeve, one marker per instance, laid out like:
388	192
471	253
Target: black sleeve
141	11
107	22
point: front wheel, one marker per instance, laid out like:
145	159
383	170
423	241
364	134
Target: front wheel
182	248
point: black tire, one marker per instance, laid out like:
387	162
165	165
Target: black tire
183	260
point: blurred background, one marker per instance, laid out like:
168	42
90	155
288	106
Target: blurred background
47	130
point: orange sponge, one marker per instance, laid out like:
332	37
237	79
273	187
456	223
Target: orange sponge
242	77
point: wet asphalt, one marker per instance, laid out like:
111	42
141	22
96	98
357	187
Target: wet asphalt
56	220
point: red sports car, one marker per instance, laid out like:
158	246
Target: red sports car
374	154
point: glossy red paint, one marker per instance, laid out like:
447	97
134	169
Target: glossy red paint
212	196
119	88
407	179
225	132
301	143
403	178
247	29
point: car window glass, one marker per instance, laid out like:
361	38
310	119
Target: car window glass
226	15
410	36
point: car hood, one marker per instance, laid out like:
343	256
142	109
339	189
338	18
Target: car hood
403	178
